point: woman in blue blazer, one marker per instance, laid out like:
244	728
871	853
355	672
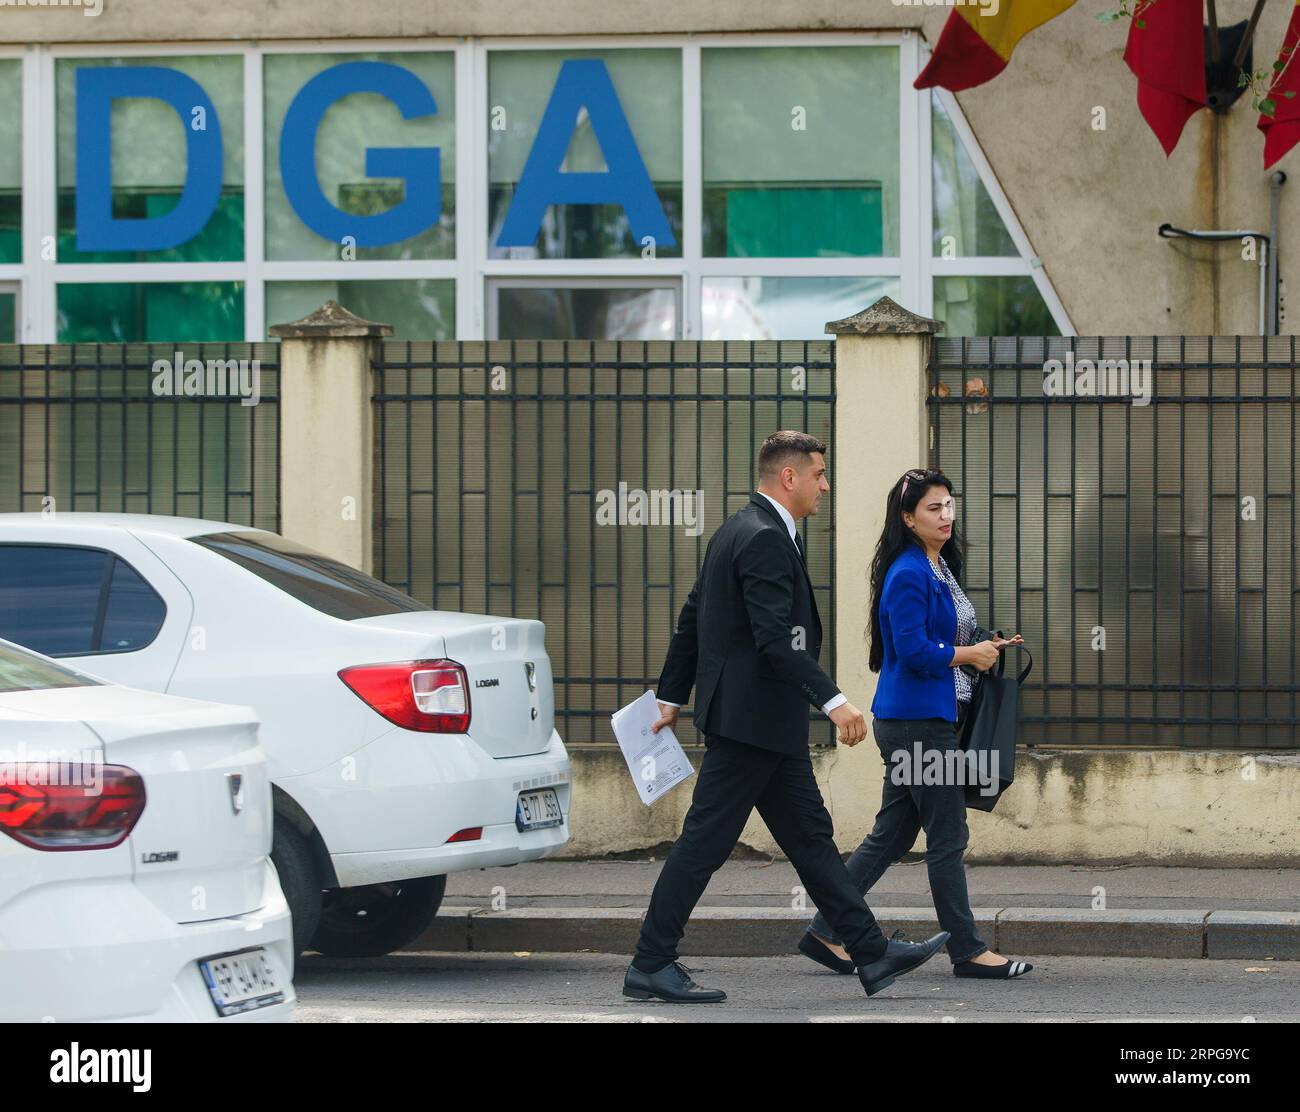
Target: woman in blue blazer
922	628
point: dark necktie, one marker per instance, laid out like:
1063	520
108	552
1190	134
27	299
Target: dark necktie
798	542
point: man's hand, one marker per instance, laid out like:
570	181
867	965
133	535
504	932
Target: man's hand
852	726
669	718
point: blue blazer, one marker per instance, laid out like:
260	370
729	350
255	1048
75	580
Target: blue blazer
918	621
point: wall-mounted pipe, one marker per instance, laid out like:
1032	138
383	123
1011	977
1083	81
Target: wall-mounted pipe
1168	231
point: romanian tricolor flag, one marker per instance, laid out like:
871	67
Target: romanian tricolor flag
1166	51
976	43
1282	129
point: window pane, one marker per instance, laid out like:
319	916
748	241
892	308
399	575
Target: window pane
353	125
20	671
801	151
648	85
153	312
586	313
8	317
134	614
963	209
321	582
49	596
149	160
991	306
11	163
418	309
784	308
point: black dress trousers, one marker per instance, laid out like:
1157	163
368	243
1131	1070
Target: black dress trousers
734	778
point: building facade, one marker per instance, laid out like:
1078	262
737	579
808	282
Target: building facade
711	185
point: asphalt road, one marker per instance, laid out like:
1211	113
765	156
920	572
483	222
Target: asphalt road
586	988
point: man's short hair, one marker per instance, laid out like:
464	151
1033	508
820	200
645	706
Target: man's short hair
782	449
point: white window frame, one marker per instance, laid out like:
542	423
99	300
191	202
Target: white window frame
471	269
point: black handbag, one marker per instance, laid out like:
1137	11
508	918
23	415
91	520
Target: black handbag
989	732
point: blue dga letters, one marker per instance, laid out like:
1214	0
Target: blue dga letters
420	167
97	228
584	82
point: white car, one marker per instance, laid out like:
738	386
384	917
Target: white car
134	832
403	743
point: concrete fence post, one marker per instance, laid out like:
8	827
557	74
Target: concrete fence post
881	429
326	432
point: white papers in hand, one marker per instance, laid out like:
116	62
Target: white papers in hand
656	761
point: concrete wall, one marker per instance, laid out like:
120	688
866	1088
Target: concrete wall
1066	806
1090	201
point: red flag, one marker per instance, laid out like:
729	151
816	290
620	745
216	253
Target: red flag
1167	54
976	42
1282	129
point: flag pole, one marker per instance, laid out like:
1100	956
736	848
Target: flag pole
1215	52
1250	33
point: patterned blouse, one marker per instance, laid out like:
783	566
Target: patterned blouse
965	628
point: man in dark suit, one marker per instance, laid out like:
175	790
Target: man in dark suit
748	640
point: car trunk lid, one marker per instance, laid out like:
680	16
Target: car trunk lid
198	848
512	700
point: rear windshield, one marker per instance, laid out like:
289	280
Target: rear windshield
321	582
24	671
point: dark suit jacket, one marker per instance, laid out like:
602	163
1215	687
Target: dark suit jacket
749	636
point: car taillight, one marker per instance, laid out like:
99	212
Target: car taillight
41	813
427	695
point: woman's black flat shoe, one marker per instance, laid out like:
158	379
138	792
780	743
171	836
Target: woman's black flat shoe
1003	972
813	947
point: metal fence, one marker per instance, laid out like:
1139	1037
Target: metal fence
1145	548
83	428
510	478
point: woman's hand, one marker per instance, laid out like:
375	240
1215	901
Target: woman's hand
983	655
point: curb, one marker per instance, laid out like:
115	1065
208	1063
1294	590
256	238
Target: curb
773	932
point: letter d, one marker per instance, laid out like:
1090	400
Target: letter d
97	228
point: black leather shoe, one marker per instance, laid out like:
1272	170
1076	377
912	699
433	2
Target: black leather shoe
899	958
812	946
898	943
671	983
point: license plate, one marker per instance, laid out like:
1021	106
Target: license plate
535	810
241	982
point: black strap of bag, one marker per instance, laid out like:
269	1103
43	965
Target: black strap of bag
1001	665
981	634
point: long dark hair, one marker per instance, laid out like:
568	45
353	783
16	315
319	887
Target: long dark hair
904	496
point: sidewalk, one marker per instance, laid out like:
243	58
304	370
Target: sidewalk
750	909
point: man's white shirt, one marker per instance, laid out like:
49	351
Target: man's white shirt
788	518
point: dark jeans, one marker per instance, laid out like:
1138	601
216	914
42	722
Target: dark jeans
734	778
904	809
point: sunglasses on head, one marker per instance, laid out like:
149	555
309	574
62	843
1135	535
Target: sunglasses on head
915	475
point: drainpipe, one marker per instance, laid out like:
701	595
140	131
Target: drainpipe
1275	183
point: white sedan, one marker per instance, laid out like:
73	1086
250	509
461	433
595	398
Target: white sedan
403	743
134	879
